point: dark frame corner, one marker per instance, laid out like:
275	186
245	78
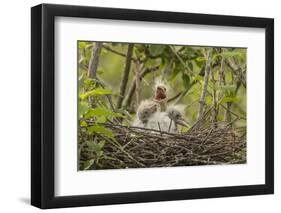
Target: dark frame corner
42	105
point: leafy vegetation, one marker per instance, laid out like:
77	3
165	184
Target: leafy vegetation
114	77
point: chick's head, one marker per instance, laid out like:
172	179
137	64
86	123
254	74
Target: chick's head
146	110
176	114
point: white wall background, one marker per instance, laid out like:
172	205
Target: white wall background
15	105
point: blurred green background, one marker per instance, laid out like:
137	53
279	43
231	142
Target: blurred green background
181	67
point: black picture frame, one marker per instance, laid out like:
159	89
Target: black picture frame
43	102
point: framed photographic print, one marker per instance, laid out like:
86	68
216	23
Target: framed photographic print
138	106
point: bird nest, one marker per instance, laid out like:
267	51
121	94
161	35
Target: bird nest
202	144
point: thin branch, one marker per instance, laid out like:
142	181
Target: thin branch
159	128
205	86
107	96
117	52
125	77
92	70
227	114
181	94
185	92
94	61
215	109
129	96
180	59
175	97
118	146
236	115
138	79
237	70
221	72
170	125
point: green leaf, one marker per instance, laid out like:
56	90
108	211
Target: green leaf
87	164
100	130
230	54
156	50
140	47
186	80
229	100
82	45
99	111
83	123
228	90
95	92
96	147
82	108
88	46
92	146
177	69
200	59
150	62
209	100
138	54
190	65
101	144
101	119
198	78
89	82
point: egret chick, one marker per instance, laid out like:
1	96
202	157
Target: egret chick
159	121
175	113
145	110
160	94
167	121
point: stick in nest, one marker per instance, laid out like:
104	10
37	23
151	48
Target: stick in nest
136	147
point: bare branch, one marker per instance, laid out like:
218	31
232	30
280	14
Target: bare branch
92	70
138	79
221	72
236	115
180	59
117	52
237	70
227	114
205	86
215	109
94	60
175	97
99	82
125	77
129	96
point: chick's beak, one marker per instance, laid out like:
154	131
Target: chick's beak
160	94
182	122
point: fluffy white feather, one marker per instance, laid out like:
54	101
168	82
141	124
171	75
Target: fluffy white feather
161	121
145	110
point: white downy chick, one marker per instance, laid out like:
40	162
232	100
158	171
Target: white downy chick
175	113
161	94
167	121
144	112
159	121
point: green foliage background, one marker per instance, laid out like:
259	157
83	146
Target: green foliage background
181	67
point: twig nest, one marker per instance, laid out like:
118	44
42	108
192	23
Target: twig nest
135	147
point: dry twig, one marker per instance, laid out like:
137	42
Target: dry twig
201	145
